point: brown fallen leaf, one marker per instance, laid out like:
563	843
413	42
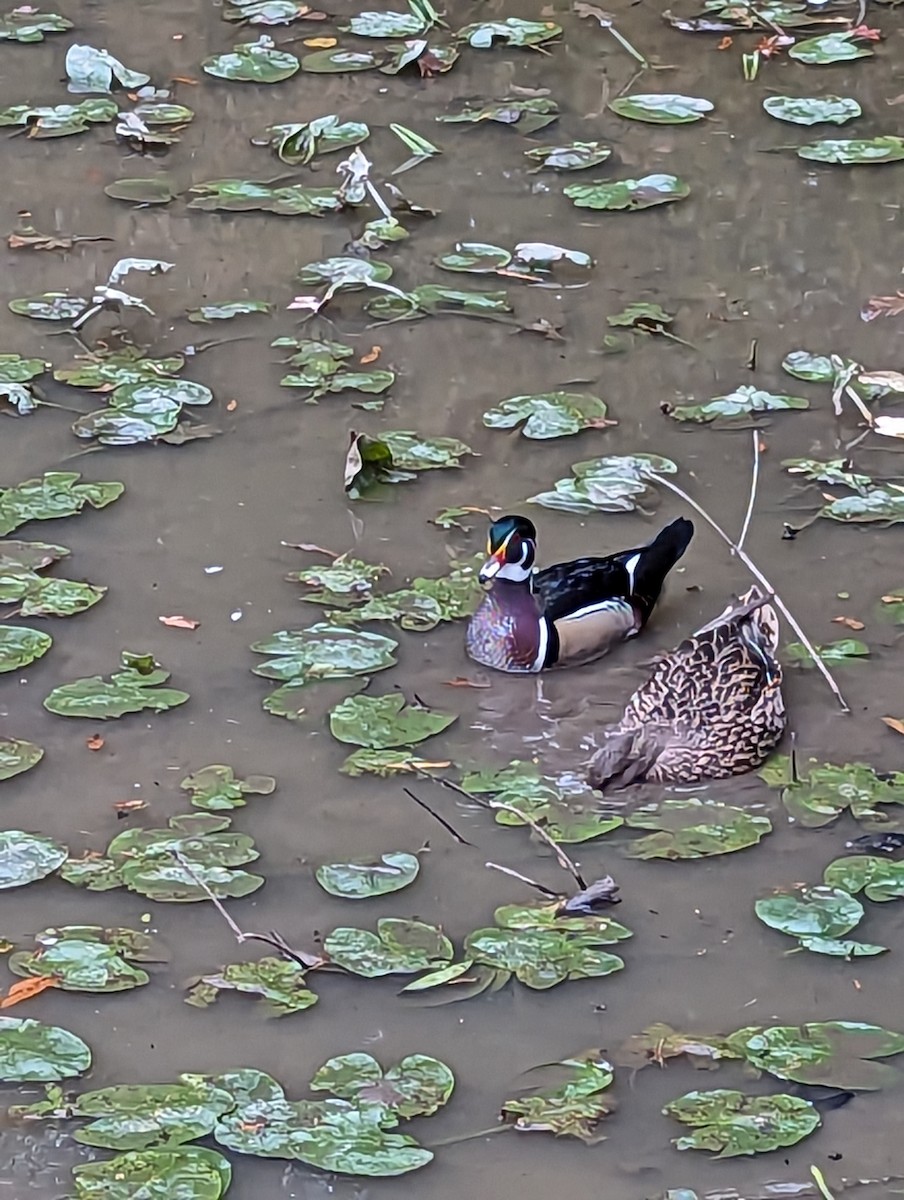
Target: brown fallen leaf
461	681
374	354
322	43
725	43
179	622
893	599
232	405
848	622
24	989
184	79
94	742
895	723
883	306
122	808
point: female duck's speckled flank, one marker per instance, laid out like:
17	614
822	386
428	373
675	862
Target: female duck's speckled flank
570	613
712	708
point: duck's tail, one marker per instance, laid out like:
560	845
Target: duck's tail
648	568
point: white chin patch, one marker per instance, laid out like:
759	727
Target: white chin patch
514	573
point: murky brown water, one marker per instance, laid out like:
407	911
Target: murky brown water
794	249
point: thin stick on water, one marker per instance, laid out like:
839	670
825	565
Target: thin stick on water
761	578
276	940
540	887
754	480
442	820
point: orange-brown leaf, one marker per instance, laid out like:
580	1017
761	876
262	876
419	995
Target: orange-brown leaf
725	43
894	723
461	681
124	807
324	43
848	622
179	622
94	742
374	354
883	306
24	989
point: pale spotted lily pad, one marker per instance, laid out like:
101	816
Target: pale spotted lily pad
830	48
730	1123
31	1052
37	597
59	120
50	306
880	879
269	12
105	372
323	368
27	24
88	958
134	688
397	948
227	309
298	142
418	1086
550	415
246	195
829	789
21	646
253	62
362	879
339	61
833	653
818	917
574	1108
631	194
432	298
395	457
418	19
344	582
55	494
884	505
661	108
27	857
16	374
216	789
745	400
511	31
574	156
851	151
528	260
812	110
17	755
694	828
185	1171
383	722
92	70
836	470
280	985
141	1116
540	958
839	1054
614	483
529	115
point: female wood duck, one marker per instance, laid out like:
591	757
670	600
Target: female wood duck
712	708
570	613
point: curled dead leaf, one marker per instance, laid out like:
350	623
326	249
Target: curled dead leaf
461	681
848	622
94	742
374	354
895	723
321	43
725	43
179	622
24	989
122	808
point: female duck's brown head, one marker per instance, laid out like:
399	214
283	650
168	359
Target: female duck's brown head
511	550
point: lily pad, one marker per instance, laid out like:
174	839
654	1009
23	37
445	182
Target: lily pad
225	310
614	483
27	857
850	151
106	371
59	120
731	1123
573	156
87	958
269	12
397	948
93	70
216	789
511	31
339	61
29	556
432	299
299	142
837	1054
661	108
812	110
879	879
541	958
156	1174
574	1108
833	653
361	880
31	1052
158	1115
381	722
321	368
632	194
829	789
133	689
16	374
550	415
529	115
342	583
830	48
836	470
39	597
281	986
693	828
396	457
393	24
253	62
17	755
882	504
27	24
245	195
152	190
418	1086
50	306
745	400
21	646
323	651
386	764
55	494
818	917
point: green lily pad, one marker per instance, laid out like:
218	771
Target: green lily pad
833	653
31	1052
49	306
268	12
245	195
338	61
16	374
661	108
344	582
55	494
154	1115
829	48
631	194
743	401
550	415
397	948
850	151
26	24
879	879
883	504
392	24
59	120
478	258
605	930
321	366
529	115
808	913
812	110
643	317
155	1175
133	689
361	880
893	605
87	958
26	857
252	62
39	597
660	1042
432	298
29	556
511	31
574	1108
17	755
693	828
614	483
836	1054
830	789
281	986
19	647
836	471
541	958
151	190
731	1123
574	156
106	372
216	789
298	142
382	722
395	457
323	651
418	1086
386	764
93	70
226	310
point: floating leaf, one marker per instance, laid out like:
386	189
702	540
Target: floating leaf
849	151
661	108
26	24
836	471
541	958
574	156
614	483
55	494
321	367
154	190
106	371
253	62
389	24
431	298
511	31
811	914
829	48
20	646
87	958
142	1116
269	12
16	374
92	70
17	755
27	857
29	556
880	879
575	1108
829	789
418	1086
381	722
281	986
299	142
339	61
245	195
812	110
834	653
39	597
397	948
226	310
693	828
884	504
835	1054
386	763
216	789
59	120
187	1171
529	115
344	582
743	401
51	306
550	415
323	651
731	1123
629	194
135	688
31	1052
395	457
361	880
150	414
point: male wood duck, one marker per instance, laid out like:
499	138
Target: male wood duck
570	613
711	708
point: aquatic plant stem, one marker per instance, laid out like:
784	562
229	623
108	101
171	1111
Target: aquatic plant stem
442	820
761	578
754	480
541	887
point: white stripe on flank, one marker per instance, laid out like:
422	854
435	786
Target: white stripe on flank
631	568
610	605
538	662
